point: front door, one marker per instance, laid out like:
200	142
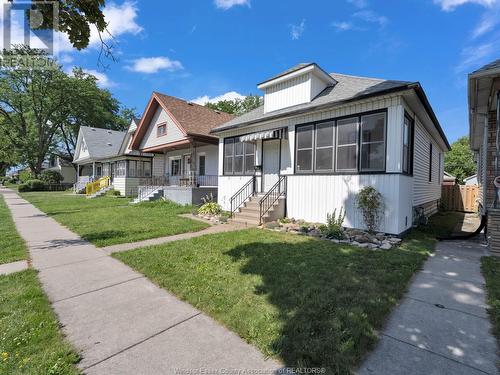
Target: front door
270	163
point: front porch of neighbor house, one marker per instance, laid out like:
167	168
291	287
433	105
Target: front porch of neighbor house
183	172
124	173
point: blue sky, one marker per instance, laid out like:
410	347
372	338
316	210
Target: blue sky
197	49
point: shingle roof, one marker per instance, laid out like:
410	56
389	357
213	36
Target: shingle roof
194	118
347	88
492	65
102	143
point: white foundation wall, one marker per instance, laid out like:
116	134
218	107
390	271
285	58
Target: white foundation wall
127	186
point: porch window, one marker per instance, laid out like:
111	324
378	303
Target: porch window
324	147
347	144
147	169
408	134
161	130
121	168
373	142
175	167
201	165
239	157
132	167
304	148
140	171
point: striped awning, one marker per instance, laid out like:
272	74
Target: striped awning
268	134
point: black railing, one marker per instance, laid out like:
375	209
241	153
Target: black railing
270	198
242	195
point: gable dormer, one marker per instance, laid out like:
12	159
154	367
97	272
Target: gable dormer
298	85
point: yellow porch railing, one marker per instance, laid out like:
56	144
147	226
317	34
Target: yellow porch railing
95	186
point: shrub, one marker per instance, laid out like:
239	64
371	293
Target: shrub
210	208
113	192
51	177
369	201
32	185
25	176
334	227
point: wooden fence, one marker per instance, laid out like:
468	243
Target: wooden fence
460	198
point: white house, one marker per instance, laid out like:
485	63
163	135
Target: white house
185	163
318	138
107	153
65	168
471	180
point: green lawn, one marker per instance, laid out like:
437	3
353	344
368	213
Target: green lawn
107	221
491	272
12	246
307	302
30	340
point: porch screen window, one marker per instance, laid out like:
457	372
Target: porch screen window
201	162
132	167
305	148
239	157
347	144
373	142
121	168
249	158
408	145
175	167
147	169
140	169
324	146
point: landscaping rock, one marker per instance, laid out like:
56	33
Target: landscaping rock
394	240
386	246
363	245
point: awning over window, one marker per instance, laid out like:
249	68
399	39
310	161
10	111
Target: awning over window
268	134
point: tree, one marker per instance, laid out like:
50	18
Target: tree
237	106
460	160
41	110
90	106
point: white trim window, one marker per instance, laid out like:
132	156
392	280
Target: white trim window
347	144
121	168
304	153
323	156
239	157
175	166
373	142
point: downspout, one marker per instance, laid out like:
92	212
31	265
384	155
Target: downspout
497	147
485	165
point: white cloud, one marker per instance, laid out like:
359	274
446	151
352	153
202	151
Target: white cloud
371	17
227	96
489	20
154	64
296	31
475	56
102	79
343	26
359	3
226	4
450	5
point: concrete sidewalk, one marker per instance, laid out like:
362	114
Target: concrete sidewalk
8	268
441	326
119	321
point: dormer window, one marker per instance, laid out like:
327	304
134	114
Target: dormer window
161	130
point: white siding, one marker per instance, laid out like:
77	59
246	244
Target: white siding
312	197
423	190
211	158
294	91
173	132
228	185
127	186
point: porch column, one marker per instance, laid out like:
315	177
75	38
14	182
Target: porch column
93	170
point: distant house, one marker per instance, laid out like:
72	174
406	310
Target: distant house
471	180
319	138
107	153
185	162
449	179
65	168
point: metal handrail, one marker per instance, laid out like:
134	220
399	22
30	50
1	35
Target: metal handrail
242	195
268	200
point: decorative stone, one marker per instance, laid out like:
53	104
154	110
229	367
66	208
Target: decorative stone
386	246
372	246
363	245
314	233
394	240
334	240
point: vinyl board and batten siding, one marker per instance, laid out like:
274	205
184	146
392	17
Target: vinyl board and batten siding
159	165
423	190
173	132
127	186
288	93
340	191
